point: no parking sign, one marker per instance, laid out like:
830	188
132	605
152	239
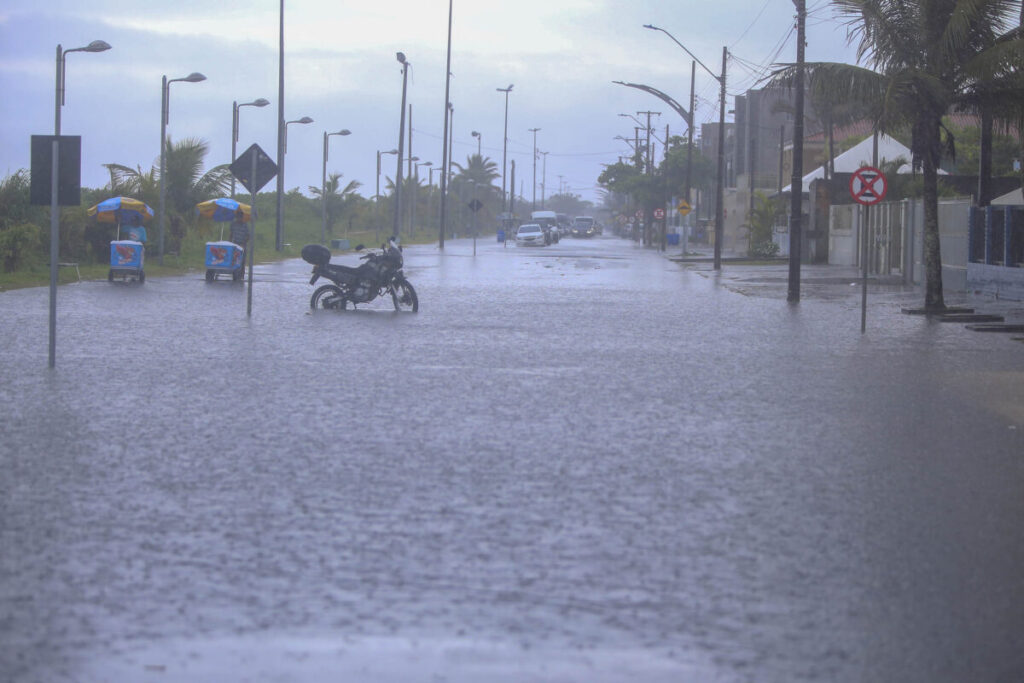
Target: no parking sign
868	185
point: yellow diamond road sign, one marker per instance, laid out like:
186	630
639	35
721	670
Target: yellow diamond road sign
684	207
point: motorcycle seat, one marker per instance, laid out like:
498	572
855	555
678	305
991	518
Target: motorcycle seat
340	270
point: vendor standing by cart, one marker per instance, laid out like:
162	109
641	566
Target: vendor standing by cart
239	233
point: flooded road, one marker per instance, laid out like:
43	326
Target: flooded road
575	463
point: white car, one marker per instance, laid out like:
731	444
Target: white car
530	234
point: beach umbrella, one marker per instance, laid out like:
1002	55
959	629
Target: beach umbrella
223	210
120	210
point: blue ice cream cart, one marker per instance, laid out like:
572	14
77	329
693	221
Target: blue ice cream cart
127	256
225	258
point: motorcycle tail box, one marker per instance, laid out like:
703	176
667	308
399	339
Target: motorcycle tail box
316	254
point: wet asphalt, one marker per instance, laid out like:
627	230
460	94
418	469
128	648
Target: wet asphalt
582	462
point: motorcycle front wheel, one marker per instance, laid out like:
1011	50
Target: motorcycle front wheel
328	297
404	296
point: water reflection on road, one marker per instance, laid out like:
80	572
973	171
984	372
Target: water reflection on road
578	462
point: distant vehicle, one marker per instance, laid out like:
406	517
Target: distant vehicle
548	221
584	226
531	234
564	224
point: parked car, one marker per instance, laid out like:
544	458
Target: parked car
531	234
583	226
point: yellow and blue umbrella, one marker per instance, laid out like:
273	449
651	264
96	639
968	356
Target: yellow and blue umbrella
120	210
223	210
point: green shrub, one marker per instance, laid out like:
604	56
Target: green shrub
16	242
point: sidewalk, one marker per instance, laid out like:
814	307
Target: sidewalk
821	282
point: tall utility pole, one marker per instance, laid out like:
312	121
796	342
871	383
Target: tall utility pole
408	173
396	226
544	179
281	132
693	120
504	151
796	188
444	142
534	201
720	190
649	160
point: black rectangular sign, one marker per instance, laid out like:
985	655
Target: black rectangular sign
69	176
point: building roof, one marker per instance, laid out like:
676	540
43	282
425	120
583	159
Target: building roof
859	155
1013	198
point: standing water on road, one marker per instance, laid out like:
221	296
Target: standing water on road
577	462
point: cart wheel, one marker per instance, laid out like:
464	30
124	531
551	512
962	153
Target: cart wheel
210	275
110	275
142	276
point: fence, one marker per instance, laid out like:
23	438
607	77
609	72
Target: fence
894	232
996	251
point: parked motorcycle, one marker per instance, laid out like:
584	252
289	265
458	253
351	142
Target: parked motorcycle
380	274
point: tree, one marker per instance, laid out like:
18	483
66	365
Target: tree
186	184
924	58
338	199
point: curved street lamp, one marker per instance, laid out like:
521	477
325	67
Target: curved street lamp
376	197
720	171
416	190
235	106
280	178
323	186
165	92
94	46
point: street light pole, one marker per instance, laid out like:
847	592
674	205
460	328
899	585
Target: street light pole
165	96
720	179
415	198
401	135
283	146
235	106
376	197
504	152
323	186
479	140
94	46
533	202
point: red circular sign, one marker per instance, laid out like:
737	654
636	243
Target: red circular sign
868	185
659	213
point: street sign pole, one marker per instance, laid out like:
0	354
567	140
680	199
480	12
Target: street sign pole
868	186
252	236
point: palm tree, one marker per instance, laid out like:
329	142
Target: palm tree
479	170
186	183
924	58
338	198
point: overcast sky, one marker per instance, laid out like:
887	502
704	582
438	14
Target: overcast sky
340	70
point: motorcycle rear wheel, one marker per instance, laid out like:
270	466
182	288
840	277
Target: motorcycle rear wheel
404	297
328	297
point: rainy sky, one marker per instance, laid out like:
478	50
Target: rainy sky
341	71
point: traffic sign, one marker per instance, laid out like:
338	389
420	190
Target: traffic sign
659	213
639	213
684	207
868	185
475	205
243	166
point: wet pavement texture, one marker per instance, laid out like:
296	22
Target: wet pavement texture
581	462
